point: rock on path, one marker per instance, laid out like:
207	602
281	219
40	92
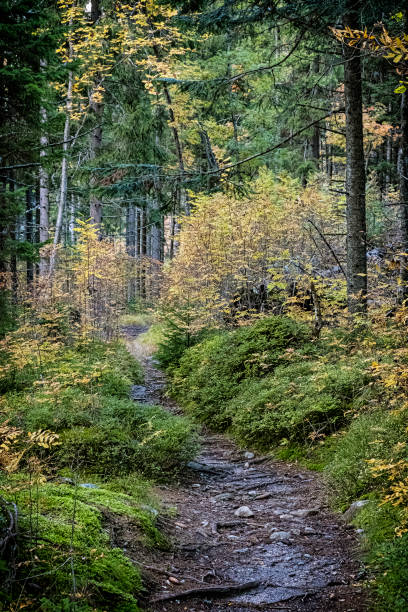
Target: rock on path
242	520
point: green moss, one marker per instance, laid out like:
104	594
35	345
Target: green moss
71	521
83	395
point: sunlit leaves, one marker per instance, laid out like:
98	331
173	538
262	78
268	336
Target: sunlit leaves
124	32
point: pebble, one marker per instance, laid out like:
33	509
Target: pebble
249	455
150	509
196	485
354	509
223	496
281	536
240	550
243	512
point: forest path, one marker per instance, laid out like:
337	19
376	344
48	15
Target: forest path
291	552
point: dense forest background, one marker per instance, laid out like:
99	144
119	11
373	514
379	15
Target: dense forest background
222	164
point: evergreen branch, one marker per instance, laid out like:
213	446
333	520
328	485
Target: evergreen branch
277	146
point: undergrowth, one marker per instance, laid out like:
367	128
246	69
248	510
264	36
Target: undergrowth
337	404
74	459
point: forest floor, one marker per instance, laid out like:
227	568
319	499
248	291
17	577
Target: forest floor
248	533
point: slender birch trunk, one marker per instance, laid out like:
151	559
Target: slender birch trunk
44	193
95	204
64	176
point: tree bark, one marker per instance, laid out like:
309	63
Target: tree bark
29	233
131	241
355	178
95	204
71	223
403	281
44	194
64	176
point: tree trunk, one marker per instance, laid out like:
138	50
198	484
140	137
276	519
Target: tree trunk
44	194
131	240
95	205
355	179
403	287
29	233
64	176
71	223
155	233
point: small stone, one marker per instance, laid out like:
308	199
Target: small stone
289	517
310	531
354	509
249	455
150	509
246	464
67	481
243	512
89	485
240	550
138	392
174	580
281	536
252	493
196	485
223	496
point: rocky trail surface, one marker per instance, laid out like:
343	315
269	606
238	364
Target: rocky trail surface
249	533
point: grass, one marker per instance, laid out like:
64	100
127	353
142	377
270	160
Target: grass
141	319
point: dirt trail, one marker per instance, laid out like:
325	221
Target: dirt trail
291	552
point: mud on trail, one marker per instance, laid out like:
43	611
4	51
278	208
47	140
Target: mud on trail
249	534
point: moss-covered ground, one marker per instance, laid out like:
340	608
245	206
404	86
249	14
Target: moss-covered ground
69	492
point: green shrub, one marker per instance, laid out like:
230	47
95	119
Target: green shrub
392	579
210	372
300	402
84	397
130	437
371	435
176	336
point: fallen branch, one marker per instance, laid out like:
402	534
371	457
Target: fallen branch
210	590
259	460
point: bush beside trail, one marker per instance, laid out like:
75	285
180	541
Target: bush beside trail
336	404
75	456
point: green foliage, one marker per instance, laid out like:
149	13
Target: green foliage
301	402
177	335
374	434
72	521
81	392
137	437
83	395
392	580
209	373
